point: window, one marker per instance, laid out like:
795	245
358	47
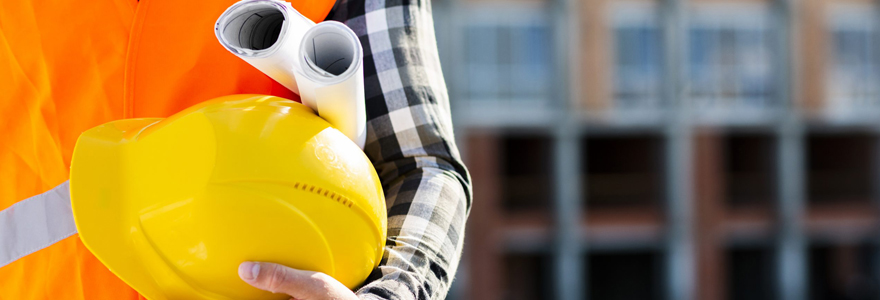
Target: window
839	167
526	183
842	272
633	274
527	276
750	169
750	273
623	171
854	72
637	57
730	59
508	57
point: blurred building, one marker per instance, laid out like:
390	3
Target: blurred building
670	149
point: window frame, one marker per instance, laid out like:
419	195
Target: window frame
849	105
738	106
634	15
515	15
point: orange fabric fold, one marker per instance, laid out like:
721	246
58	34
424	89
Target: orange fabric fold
68	66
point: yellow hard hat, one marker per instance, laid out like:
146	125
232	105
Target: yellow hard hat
173	206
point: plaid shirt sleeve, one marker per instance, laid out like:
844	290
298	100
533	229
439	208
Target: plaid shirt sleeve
410	142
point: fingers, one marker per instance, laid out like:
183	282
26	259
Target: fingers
280	279
299	284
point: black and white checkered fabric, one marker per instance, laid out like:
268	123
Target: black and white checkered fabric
410	141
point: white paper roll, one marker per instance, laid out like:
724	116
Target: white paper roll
322	63
332	76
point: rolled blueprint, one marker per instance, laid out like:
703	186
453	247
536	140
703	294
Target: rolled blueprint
332	74
323	62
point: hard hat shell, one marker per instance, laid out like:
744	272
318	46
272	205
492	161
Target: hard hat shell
173	206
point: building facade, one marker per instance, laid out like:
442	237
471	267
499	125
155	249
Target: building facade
669	149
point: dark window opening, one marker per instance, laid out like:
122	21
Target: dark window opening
839	168
527	277
750	274
526	178
623	171
750	169
625	276
843	272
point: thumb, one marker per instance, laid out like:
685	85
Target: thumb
276	278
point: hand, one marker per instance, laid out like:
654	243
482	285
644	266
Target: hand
299	284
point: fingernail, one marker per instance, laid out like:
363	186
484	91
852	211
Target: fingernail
248	270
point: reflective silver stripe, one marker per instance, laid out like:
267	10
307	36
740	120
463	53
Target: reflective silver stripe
35	223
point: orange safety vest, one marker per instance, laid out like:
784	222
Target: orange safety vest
67	66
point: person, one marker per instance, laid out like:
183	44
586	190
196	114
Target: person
67	67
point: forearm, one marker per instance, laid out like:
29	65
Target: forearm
425	232
410	142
